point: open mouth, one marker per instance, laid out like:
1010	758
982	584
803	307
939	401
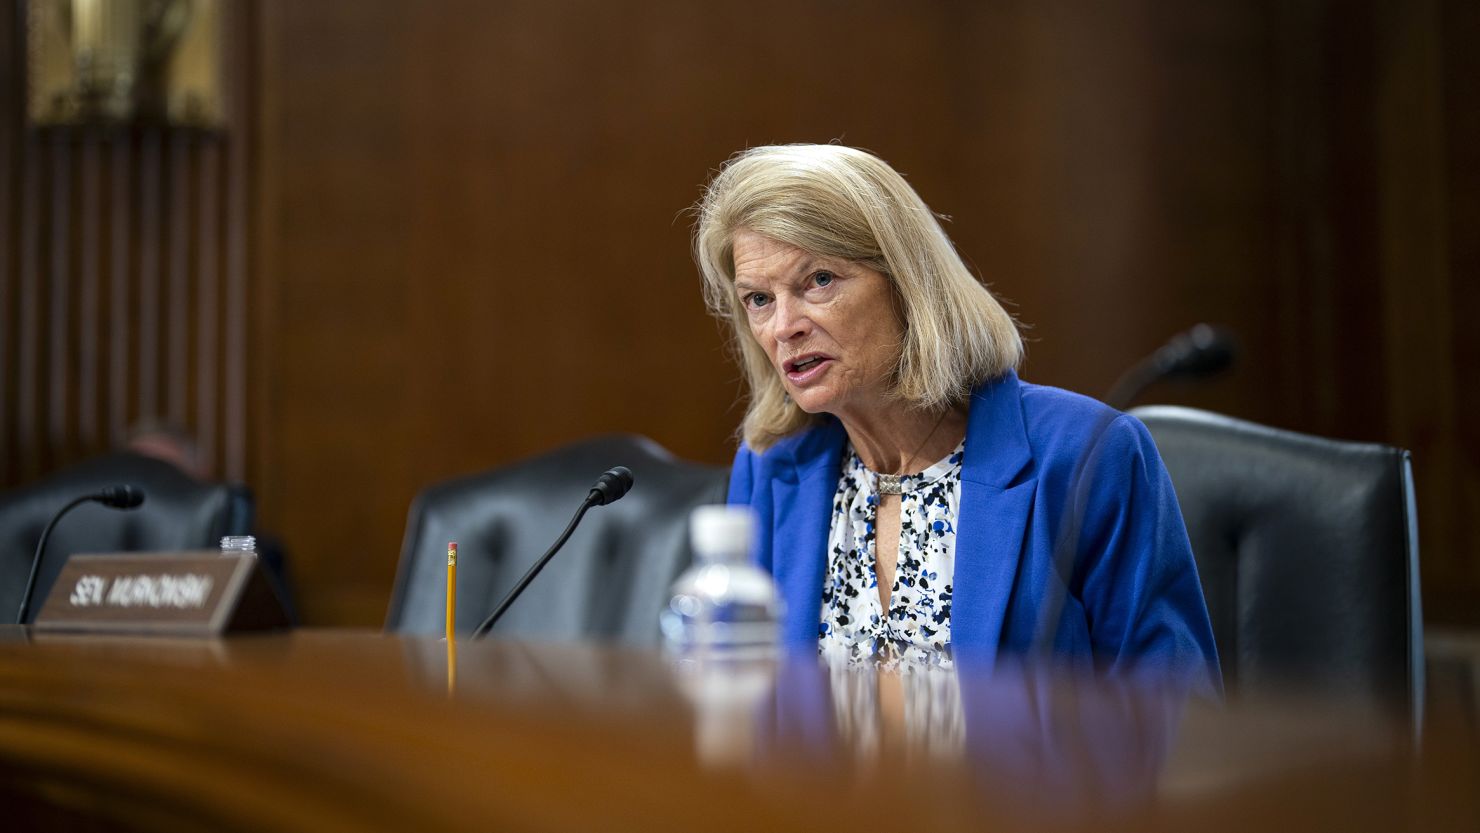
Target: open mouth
804	364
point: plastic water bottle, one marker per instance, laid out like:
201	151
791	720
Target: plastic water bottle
723	607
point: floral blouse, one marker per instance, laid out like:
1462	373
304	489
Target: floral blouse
918	625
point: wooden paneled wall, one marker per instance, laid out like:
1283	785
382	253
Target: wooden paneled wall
473	244
123	285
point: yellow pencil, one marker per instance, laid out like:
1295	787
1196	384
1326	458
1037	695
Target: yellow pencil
451	667
451	588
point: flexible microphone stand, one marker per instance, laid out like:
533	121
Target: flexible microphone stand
115	497
608	488
1199	353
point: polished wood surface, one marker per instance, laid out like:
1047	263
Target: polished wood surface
360	731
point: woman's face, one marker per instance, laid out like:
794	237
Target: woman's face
828	325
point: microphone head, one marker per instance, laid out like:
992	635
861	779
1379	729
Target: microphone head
1202	351
610	486
122	496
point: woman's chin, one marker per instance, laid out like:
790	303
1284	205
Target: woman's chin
816	402
810	402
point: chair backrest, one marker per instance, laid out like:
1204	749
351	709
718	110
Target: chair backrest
1308	552
179	513
613	576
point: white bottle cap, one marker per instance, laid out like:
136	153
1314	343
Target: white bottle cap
722	532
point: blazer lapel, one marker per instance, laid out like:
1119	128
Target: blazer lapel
995	505
803	500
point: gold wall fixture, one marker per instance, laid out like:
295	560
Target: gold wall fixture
124	62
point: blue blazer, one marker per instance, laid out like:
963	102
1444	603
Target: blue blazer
1070	538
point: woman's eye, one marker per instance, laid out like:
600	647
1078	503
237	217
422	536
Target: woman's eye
756	300
822	278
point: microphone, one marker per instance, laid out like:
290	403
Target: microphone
1199	353
123	496
126	496
1204	350
608	488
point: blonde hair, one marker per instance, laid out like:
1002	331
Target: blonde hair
841	202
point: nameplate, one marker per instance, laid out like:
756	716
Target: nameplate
176	594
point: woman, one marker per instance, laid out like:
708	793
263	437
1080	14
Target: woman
915	498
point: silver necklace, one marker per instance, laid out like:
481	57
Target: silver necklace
893	484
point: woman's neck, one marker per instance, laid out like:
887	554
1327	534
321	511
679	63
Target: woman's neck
903	440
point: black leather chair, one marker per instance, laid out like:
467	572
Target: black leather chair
1308	552
613	576
179	513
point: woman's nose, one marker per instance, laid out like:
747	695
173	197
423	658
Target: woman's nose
790	321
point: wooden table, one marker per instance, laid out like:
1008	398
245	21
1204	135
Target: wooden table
326	730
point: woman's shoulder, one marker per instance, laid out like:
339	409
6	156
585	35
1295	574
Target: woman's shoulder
1061	423
1046	404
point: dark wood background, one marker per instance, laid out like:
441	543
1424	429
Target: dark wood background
467	239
